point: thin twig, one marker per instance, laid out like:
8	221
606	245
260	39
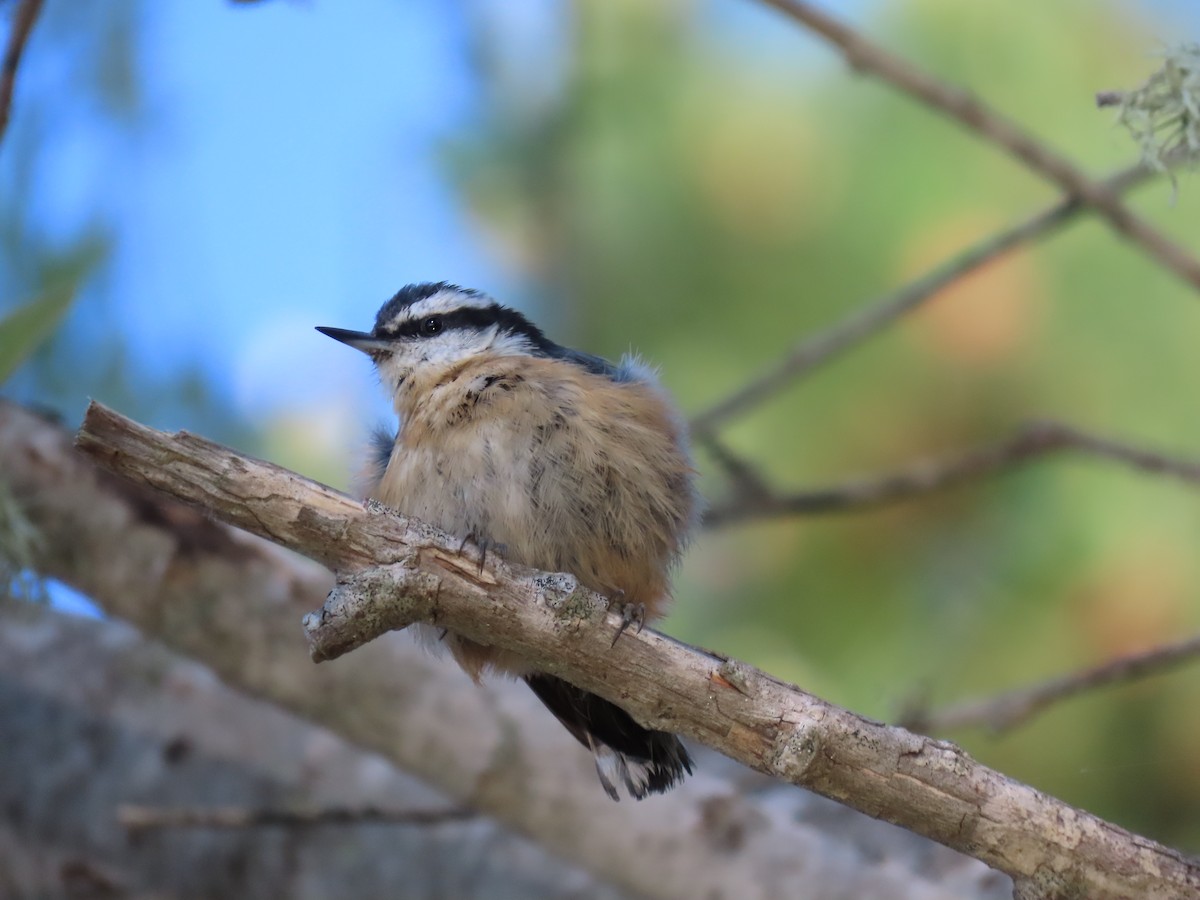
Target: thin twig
970	112
869	320
1109	98
1031	441
1014	708
143	818
747	482
22	25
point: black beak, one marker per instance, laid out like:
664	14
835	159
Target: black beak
359	340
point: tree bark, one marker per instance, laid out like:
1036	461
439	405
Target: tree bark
235	602
395	570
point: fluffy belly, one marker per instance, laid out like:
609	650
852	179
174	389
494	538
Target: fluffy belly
547	507
470	493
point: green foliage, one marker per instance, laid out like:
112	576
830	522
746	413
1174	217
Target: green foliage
709	203
25	328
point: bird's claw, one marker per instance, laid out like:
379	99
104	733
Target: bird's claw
484	545
631	614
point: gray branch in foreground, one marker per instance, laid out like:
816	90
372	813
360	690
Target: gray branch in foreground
233	602
1032	441
93	714
394	570
148	818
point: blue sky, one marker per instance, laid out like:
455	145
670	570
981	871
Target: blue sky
287	178
289	183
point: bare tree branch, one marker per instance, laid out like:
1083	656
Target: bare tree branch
1030	442
23	20
1008	710
396	570
234	602
746	480
146	818
970	112
869	320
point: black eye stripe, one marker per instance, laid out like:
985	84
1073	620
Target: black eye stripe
479	318
412	294
471	317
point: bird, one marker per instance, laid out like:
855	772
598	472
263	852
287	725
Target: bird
559	460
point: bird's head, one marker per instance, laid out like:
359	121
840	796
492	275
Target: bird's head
428	328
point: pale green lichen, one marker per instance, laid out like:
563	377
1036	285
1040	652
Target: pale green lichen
1163	115
576	606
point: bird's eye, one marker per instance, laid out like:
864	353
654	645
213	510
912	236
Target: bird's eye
432	325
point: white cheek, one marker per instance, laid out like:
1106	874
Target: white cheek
435	353
425	357
393	371
446	350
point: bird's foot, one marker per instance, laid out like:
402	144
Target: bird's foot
484	546
630	613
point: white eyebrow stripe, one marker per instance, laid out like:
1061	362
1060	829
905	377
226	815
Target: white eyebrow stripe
440	303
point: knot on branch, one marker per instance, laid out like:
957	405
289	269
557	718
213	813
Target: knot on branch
567	598
369	602
796	748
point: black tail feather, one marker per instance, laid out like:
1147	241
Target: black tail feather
646	761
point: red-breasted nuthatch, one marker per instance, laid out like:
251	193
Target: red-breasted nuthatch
562	460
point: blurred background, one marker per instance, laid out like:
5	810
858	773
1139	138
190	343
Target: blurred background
704	183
